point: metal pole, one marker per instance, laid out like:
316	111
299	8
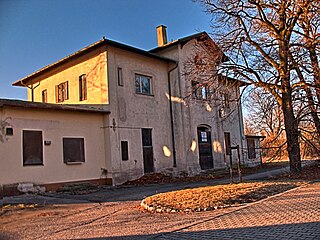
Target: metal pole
239	164
230	168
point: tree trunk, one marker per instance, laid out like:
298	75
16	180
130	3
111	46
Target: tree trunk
292	133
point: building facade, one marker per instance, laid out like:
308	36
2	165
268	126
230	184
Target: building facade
158	119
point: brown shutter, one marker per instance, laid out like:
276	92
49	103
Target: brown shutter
84	87
57	93
66	91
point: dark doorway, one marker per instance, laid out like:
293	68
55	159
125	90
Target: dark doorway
205	148
147	150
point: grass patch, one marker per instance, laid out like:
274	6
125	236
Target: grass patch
213	197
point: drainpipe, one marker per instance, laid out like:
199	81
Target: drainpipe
171	118
241	125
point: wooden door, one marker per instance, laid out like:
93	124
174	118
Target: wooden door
147	150
205	148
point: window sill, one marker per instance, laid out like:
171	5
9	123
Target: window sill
33	164
145	94
74	163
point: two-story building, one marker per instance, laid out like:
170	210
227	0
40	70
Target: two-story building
129	112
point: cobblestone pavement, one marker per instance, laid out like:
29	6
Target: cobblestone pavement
292	215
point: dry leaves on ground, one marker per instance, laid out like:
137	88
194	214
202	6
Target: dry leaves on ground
212	197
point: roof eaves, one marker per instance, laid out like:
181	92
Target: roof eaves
23	81
64	60
51	106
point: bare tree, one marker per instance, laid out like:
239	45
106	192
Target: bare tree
265	118
261	38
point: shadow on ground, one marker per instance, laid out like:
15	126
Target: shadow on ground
286	231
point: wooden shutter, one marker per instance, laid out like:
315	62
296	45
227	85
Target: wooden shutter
66	90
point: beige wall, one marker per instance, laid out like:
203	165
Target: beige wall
132	111
54	126
93	64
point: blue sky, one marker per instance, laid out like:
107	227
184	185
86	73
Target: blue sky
35	33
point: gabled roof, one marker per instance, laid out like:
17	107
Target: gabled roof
51	106
104	42
178	41
184	40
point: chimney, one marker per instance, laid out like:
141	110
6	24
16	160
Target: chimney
162	35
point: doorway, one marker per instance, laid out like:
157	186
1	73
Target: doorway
205	148
147	150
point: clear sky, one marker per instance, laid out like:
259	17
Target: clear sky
35	33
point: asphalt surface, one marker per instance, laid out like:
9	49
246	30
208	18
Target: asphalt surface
114	213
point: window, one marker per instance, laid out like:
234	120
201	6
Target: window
124	150
204	137
32	148
9	131
73	150
83	87
227	142
226	100
143	84
44	96
120	77
62	92
251	148
200	92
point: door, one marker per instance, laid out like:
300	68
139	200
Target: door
205	148
147	150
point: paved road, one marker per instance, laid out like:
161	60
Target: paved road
127	193
115	214
292	215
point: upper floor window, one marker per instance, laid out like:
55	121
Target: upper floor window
44	96
83	87
226	100
62	92
120	77
200	92
143	84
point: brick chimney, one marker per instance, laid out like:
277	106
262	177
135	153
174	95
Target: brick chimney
162	35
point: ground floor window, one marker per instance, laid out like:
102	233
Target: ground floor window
32	147
124	150
251	148
73	150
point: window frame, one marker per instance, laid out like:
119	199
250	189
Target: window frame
120	76
251	150
44	96
62	92
25	151
81	150
150	84
83	87
201	92
124	145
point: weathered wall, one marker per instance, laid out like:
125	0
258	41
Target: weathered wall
54	126
131	112
188	116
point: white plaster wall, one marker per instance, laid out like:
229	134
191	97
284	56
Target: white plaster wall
54	126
